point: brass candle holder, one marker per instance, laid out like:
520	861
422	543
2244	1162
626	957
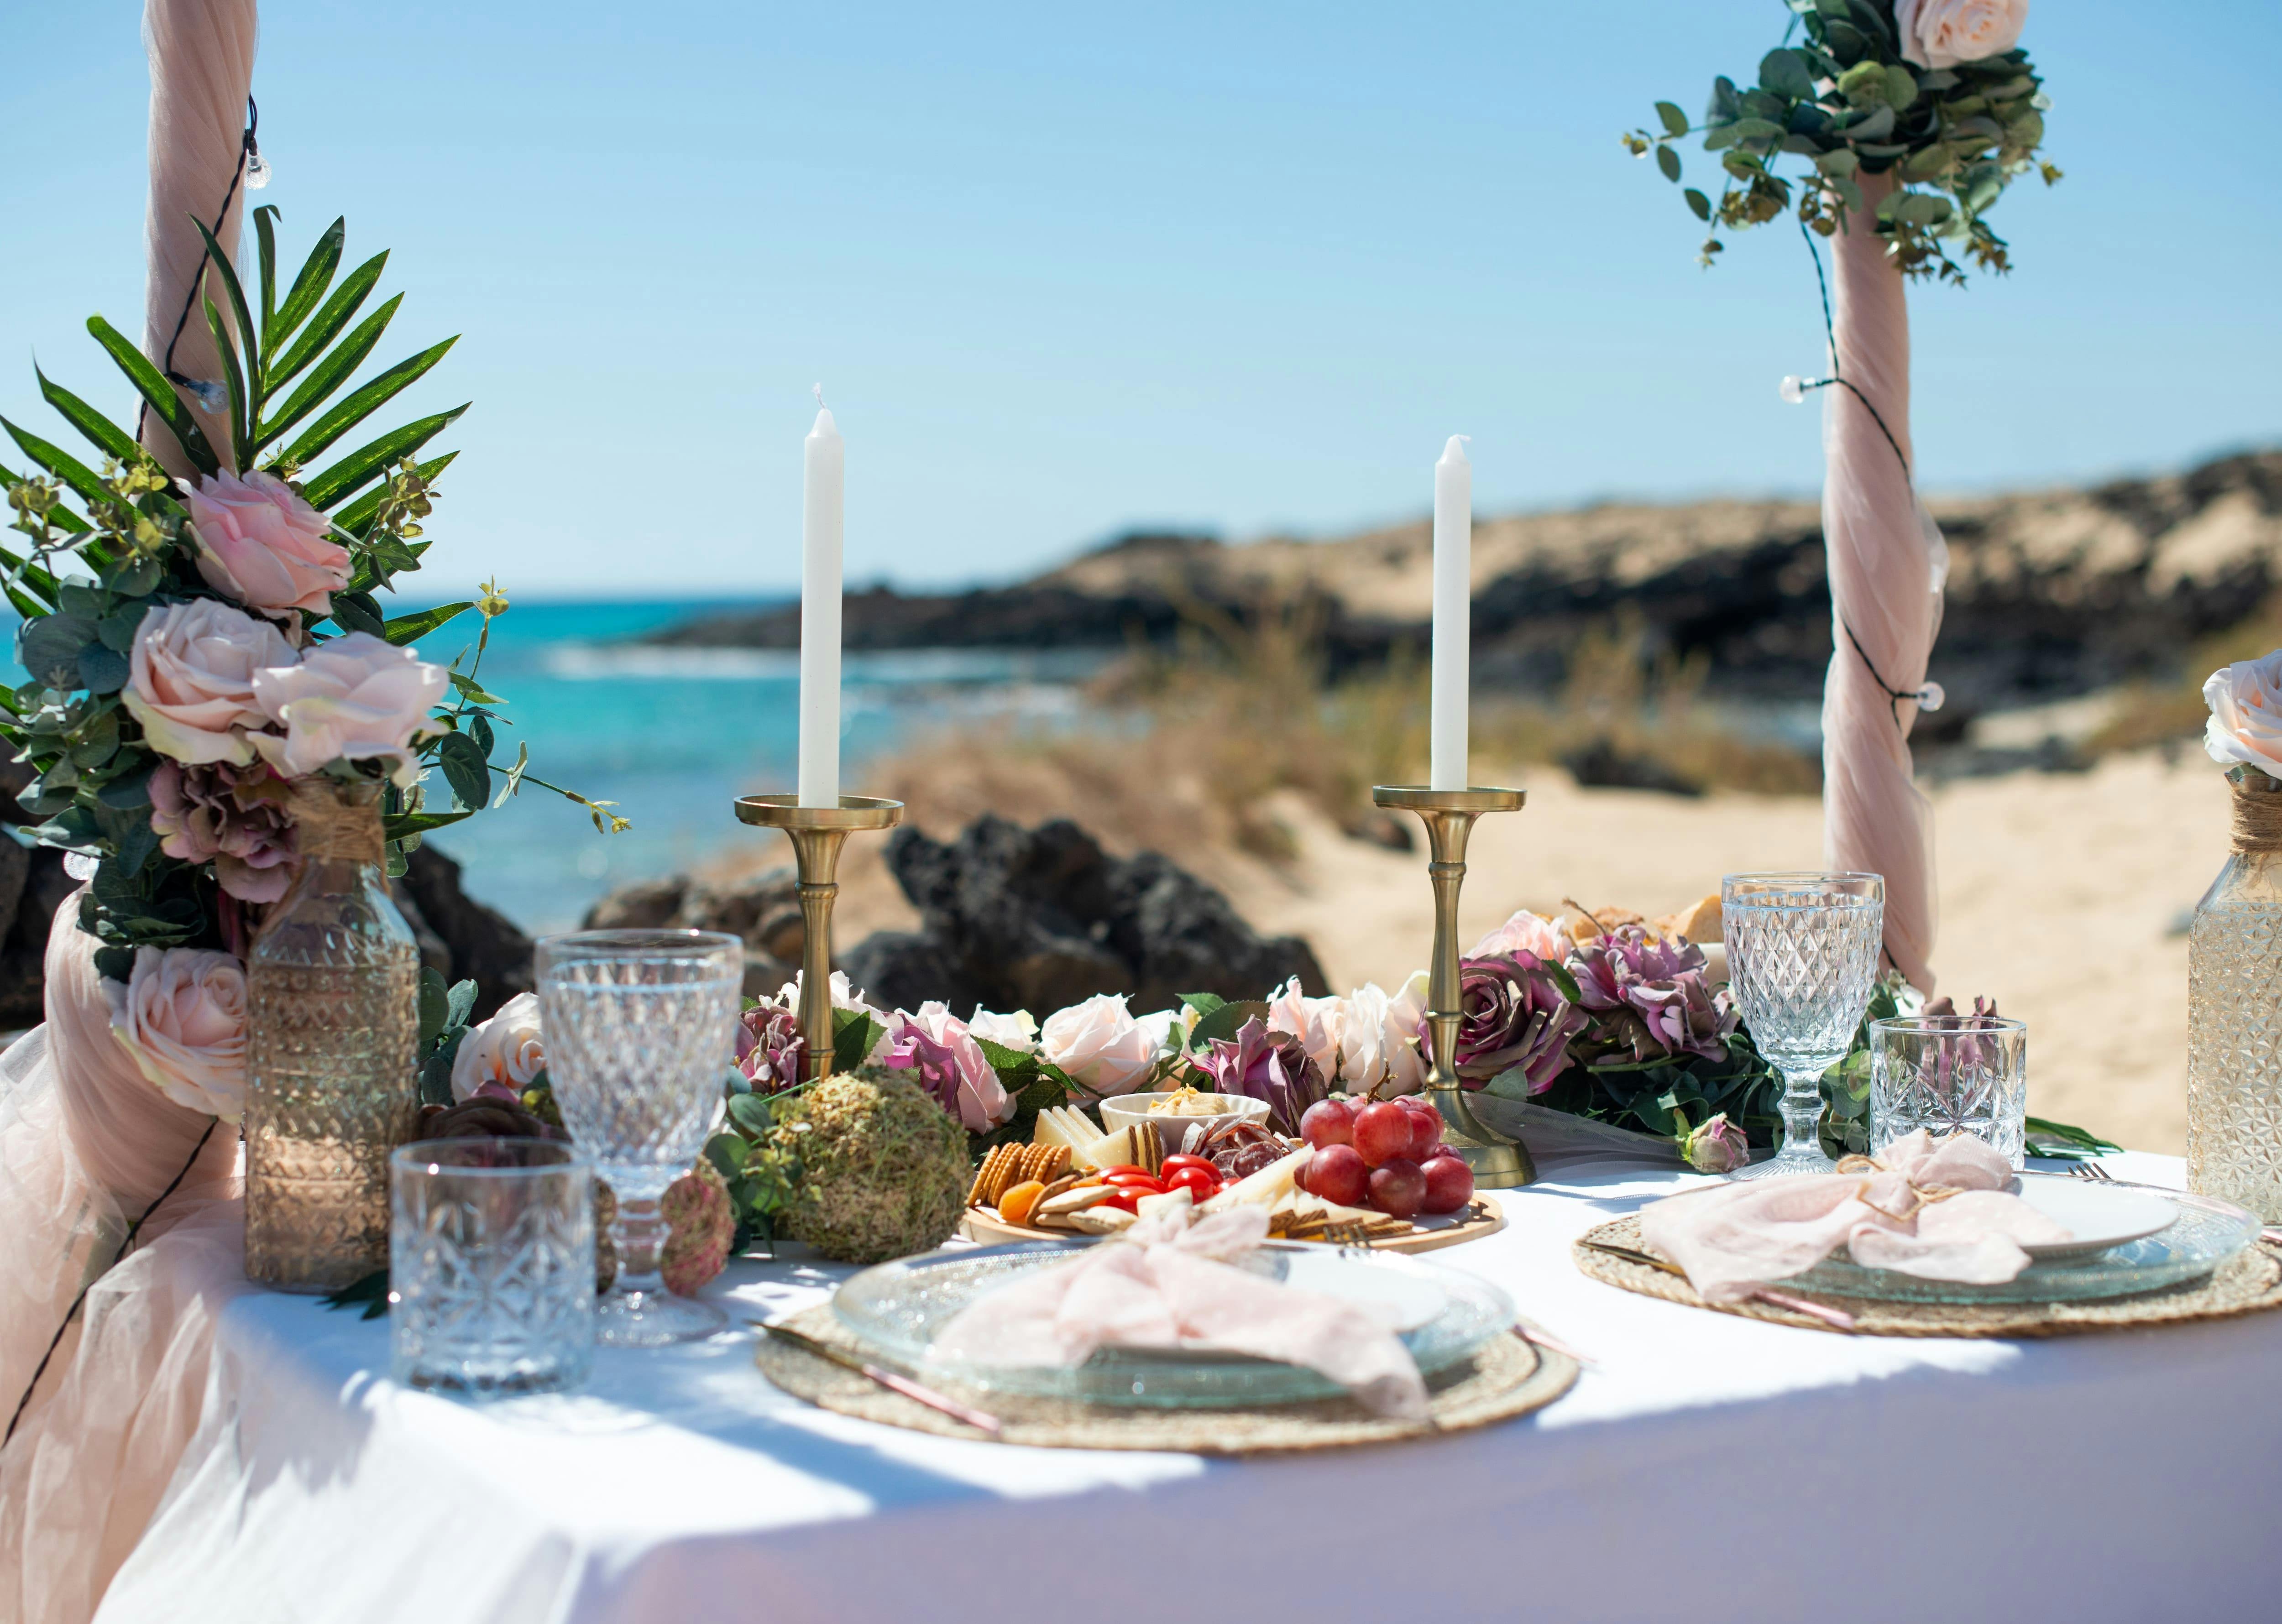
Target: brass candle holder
1499	1162
817	834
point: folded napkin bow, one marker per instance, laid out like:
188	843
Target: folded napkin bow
1164	1283
1936	1209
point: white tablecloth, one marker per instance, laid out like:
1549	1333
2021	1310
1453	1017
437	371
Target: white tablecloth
1708	1468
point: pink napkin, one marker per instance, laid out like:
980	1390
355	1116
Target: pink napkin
1735	1237
1165	1283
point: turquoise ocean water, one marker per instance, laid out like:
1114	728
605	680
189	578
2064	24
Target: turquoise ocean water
674	735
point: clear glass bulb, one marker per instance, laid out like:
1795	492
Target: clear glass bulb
257	171
1933	696
211	397
1793	390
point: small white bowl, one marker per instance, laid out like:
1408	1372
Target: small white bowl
1127	1111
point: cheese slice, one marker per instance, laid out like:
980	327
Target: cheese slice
1061	1125
1110	1150
1263	1188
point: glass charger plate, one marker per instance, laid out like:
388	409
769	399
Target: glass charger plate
2206	1233
897	1308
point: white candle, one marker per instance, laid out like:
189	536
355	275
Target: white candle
1454	547
823	499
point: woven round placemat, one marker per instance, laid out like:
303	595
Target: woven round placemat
2247	1283
1505	1378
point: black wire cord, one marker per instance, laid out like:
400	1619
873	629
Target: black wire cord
125	1246
1894	696
248	148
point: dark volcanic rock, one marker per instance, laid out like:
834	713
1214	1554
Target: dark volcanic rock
1041	918
1602	765
764	910
41	887
484	945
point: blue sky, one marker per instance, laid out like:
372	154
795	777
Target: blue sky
1066	269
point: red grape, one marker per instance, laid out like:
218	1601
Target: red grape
1426	1124
1398	1188
1328	1122
1383	1131
1449	1184
1337	1174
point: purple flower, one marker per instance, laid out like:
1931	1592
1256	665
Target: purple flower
932	1062
771	1049
1684	1015
1515	1017
234	817
1607	964
1267	1065
1716	1146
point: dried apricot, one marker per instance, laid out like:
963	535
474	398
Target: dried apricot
1014	1206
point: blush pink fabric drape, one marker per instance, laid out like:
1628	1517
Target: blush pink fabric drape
1887	564
86	1145
201	56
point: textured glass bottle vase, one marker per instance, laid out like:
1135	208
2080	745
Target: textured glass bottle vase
332	1030
2235	1014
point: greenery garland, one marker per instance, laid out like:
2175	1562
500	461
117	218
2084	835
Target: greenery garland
1848	99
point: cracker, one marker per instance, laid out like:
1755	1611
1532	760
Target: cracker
990	1179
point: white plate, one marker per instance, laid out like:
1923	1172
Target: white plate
2101	1215
1398	1301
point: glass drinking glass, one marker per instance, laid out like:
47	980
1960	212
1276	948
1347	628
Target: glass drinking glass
491	1266
1801	957
1952	1074
639	1027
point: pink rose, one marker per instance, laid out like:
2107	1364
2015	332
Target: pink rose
507	1050
261	543
190	679
356	698
182	1017
1944	32
1100	1043
1320	1024
1525	932
2245	714
1378	1038
983	1102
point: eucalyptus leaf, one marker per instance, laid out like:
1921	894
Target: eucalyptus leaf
49	648
1668	161
357	612
1675	122
1698	202
101	671
1784	72
465	769
411	628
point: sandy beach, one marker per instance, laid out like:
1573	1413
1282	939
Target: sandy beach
2063	896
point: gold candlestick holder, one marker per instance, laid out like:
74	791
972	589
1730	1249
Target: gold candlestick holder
817	834
1499	1162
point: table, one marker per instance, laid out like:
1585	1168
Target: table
1707	1467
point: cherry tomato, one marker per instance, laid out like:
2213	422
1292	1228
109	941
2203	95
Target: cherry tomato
1125	1201
1200	1183
1124	1167
1174	1164
1142	1182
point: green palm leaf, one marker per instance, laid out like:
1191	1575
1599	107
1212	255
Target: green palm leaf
265	232
241	427
62	464
245	320
331	372
326	325
168	407
365	462
411	628
366	401
101	432
309	286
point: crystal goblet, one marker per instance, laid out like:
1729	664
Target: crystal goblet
640	1025
1801	957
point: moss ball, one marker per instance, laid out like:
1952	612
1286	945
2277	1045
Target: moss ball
883	1169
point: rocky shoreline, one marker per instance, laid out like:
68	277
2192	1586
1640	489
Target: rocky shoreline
2051	593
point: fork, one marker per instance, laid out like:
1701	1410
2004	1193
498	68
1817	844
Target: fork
2092	1171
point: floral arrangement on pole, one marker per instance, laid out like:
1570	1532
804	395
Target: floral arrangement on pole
196	645
1934	93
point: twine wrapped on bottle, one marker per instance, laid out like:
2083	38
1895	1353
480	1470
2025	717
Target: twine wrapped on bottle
1887	564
